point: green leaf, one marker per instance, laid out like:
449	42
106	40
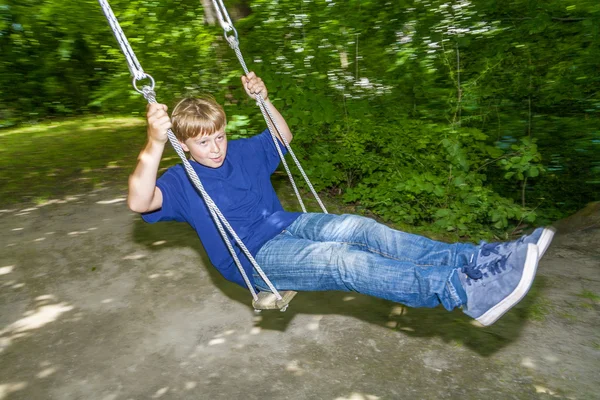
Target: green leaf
533	172
442	212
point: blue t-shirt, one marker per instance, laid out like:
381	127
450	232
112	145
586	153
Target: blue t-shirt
241	188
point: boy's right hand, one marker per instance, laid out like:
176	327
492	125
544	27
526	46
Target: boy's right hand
158	122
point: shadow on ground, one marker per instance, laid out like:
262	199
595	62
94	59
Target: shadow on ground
96	304
451	327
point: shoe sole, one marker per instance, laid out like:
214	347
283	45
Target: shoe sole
531	262
545	240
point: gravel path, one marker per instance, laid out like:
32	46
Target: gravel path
95	304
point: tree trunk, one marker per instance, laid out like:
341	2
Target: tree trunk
209	12
238	10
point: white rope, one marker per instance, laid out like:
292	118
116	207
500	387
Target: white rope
272	130
134	66
233	41
219	219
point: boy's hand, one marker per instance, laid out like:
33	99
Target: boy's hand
254	85
158	122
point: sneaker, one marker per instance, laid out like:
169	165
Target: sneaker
494	284
541	237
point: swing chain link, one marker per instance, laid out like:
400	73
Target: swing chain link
231	38
151	87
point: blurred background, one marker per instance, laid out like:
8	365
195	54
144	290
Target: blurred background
473	118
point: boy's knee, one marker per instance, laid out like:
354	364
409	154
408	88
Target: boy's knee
352	220
359	224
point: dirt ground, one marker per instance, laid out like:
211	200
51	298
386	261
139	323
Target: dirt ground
95	304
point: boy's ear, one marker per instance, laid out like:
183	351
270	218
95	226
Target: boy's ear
184	146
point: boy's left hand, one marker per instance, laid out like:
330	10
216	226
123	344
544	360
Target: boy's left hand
254	85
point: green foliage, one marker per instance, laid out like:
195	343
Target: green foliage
523	163
65	60
413	172
427	112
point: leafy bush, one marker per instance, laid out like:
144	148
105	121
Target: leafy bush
413	172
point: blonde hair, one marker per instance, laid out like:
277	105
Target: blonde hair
197	116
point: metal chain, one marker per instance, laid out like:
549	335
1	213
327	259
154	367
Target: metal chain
218	217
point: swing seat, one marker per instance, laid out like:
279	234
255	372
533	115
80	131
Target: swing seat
268	301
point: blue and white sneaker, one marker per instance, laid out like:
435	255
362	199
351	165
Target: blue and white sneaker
541	237
494	283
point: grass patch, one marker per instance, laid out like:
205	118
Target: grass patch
539	310
50	160
568	316
535	306
586	294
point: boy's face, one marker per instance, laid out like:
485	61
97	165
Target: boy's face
208	150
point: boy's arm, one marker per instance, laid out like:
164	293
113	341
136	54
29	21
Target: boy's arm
143	195
253	86
279	122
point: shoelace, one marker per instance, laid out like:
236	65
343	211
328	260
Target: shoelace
496	266
488	248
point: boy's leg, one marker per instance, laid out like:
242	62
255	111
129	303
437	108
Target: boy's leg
293	263
492	282
377	238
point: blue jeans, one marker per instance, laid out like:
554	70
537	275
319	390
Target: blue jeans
353	253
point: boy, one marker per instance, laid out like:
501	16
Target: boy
307	252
